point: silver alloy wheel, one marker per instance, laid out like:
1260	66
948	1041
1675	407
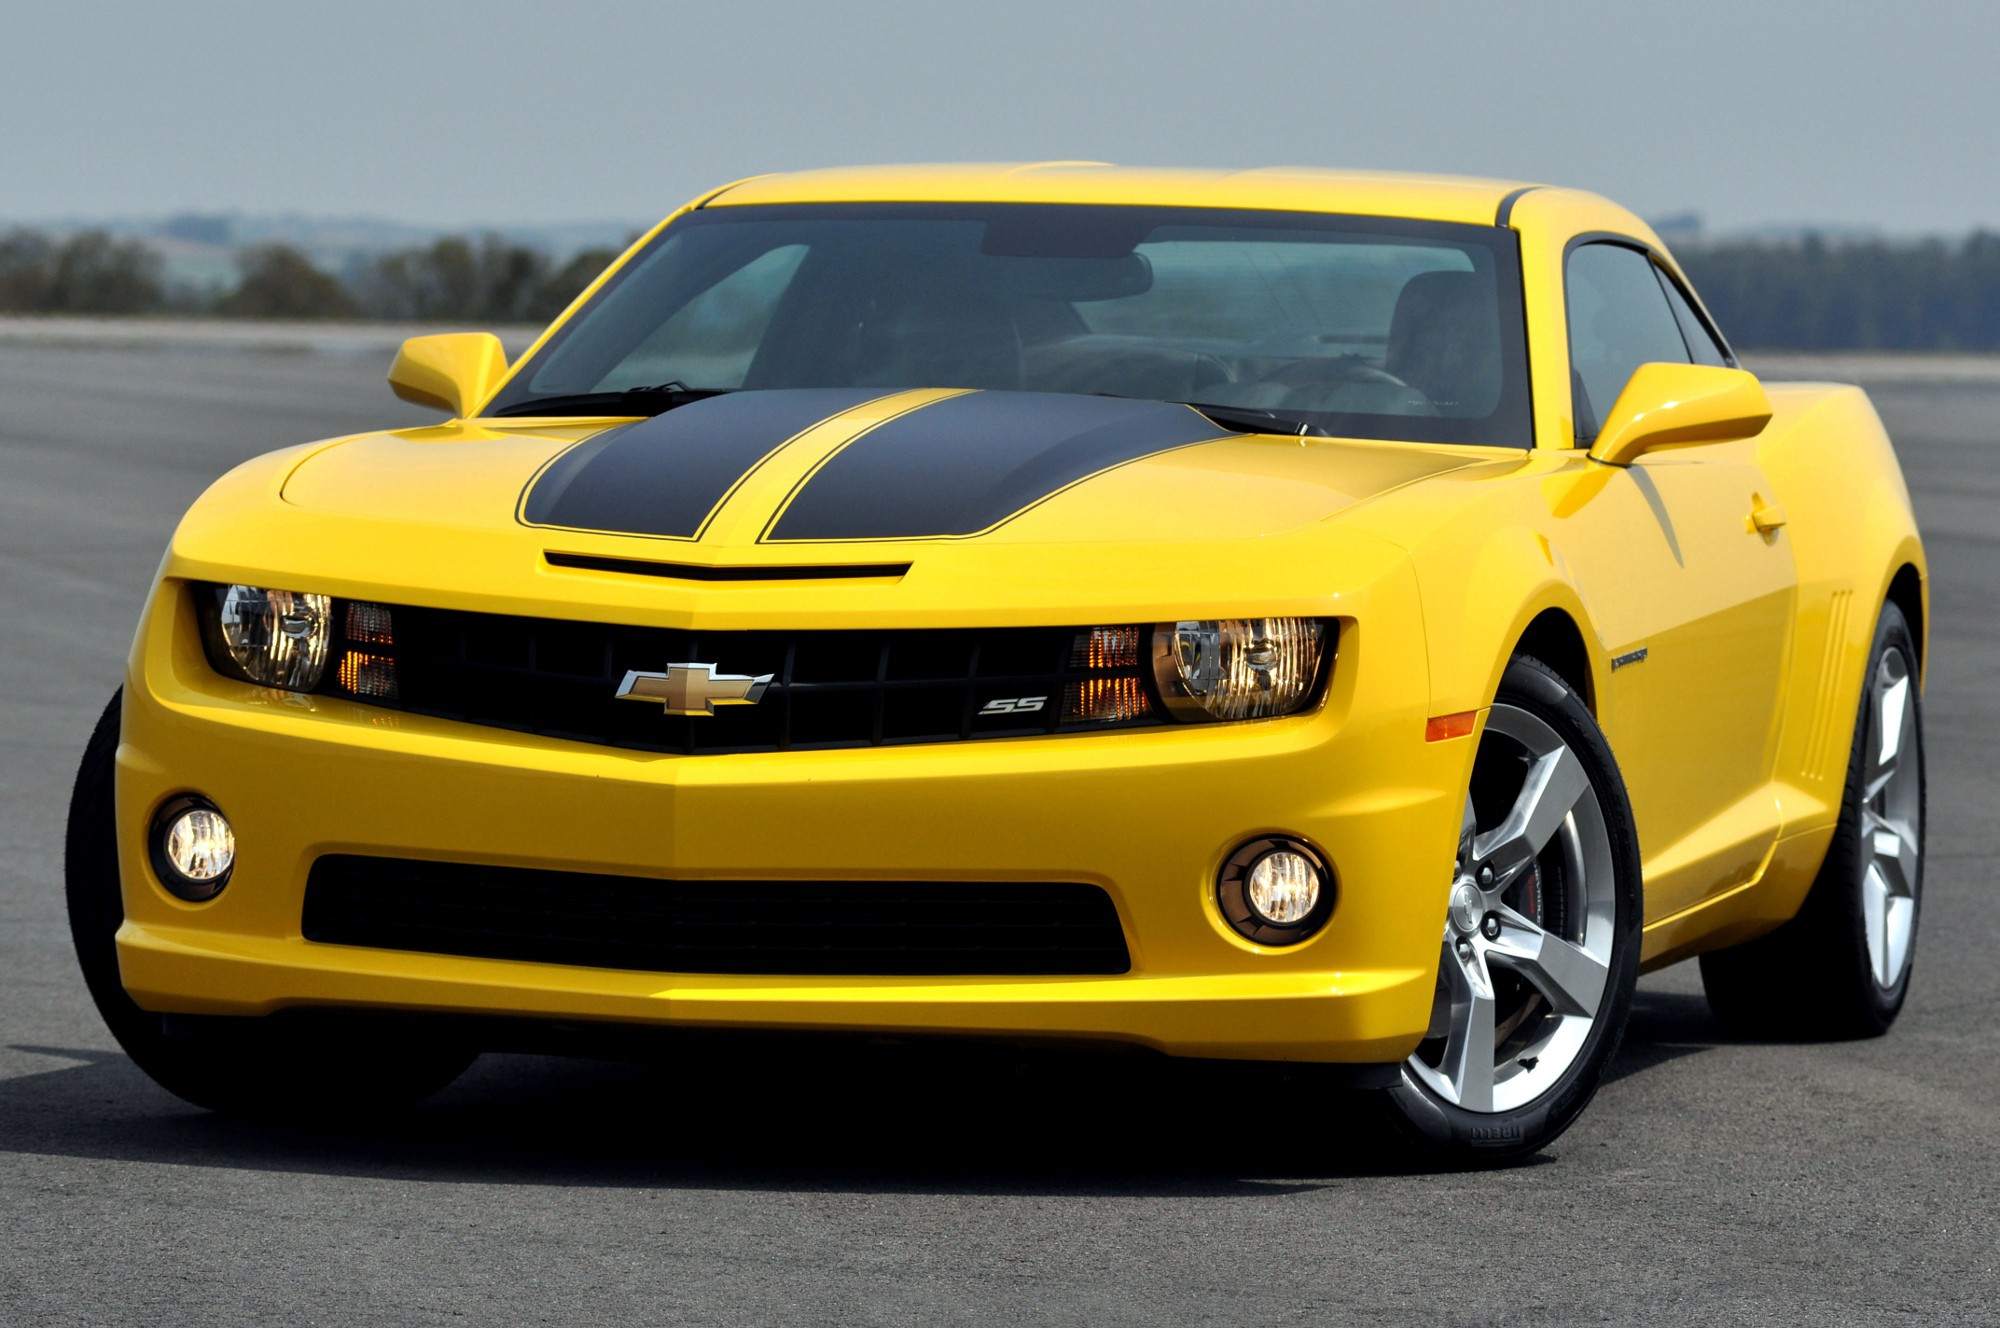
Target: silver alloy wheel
1528	933
1891	799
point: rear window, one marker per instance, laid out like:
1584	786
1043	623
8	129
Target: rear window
1362	326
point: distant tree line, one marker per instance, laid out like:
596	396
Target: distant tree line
89	273
1819	294
454	279
1805	294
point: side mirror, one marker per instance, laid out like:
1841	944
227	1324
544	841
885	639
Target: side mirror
453	372
1678	405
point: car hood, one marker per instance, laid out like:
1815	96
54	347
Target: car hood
812	474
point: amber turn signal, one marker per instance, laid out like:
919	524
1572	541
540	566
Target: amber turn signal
1442	727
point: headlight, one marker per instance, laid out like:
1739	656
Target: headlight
275	638
1238	668
300	642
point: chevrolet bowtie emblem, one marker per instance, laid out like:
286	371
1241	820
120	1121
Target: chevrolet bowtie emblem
693	689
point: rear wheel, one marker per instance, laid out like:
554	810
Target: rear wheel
1841	968
1541	939
290	1070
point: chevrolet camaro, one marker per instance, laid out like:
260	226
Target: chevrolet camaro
1290	616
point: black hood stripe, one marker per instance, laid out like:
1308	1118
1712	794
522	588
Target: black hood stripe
966	464
667	475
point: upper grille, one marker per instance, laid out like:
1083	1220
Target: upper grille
558	678
790	927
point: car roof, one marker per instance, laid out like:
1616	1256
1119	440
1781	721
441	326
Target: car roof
1286	188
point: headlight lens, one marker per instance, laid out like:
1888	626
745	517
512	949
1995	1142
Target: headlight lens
1238	668
276	638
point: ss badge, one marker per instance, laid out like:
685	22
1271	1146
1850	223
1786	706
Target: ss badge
1013	705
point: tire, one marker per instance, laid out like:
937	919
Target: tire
1841	968
1541	941
276	1067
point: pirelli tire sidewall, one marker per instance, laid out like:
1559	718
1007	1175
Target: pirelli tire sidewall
1476	1138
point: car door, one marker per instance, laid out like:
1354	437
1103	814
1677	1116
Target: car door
1696	714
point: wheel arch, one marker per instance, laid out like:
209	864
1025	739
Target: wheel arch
1554	638
1488	597
1906	592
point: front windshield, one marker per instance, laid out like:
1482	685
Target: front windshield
1361	327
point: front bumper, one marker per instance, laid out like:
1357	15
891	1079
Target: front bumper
1147	815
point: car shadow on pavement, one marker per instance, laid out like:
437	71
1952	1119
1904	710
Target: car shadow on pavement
894	1119
856	1117
1665	1026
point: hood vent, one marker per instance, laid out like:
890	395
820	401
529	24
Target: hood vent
698	572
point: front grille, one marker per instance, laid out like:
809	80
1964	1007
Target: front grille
884	928
559	678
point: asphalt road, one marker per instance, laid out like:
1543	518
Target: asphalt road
1713	1181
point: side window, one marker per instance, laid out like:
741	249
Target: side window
1619	319
1701	343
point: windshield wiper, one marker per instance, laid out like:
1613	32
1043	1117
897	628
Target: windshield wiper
655	400
1263	421
1239	417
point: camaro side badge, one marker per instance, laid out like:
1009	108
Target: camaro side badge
693	689
1629	657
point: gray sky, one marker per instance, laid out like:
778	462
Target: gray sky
502	112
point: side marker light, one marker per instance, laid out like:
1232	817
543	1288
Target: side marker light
1443	727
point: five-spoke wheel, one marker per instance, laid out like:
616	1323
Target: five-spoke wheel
1527	937
1891	817
1540	939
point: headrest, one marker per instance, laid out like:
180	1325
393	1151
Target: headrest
1444	340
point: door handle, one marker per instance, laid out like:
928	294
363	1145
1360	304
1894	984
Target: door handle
1764	517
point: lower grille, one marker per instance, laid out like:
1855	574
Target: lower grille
886	928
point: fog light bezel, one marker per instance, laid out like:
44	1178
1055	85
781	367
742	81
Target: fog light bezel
1232	897
170	877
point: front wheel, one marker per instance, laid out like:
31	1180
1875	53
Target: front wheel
1541	938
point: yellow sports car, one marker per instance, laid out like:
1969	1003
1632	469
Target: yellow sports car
1289	615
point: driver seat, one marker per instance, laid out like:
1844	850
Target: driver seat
1444	340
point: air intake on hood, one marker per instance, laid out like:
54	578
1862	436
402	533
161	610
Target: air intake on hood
699	572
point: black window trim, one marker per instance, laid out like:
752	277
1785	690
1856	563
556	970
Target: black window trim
1661	264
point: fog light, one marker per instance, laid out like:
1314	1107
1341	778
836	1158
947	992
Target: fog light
1276	890
1283	887
193	848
